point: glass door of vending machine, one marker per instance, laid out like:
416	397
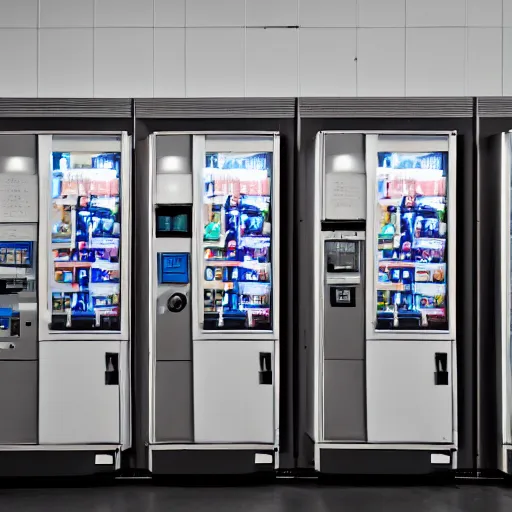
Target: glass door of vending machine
411	291
236	315
412	197
84	295
86	234
235	217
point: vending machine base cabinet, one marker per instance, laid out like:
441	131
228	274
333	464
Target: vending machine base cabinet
384	459
58	462
188	460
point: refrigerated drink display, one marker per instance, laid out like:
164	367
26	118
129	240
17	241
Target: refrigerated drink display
412	237
84	280
236	218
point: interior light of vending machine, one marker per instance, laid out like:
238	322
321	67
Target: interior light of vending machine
412	237
236	241
85	235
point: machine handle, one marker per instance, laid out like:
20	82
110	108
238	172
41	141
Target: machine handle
265	373
111	369
441	375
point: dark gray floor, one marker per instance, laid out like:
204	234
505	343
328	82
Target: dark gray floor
286	498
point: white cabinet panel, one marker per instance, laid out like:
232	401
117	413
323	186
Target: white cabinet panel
117	52
18	62
436	13
381	62
123	13
206	48
18	13
265	13
169	13
404	404
66	62
271	62
230	404
484	13
335	73
75	404
327	13
381	13
484	67
169	70
66	13
215	13
436	59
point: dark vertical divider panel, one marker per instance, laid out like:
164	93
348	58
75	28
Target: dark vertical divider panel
286	128
488	367
466	281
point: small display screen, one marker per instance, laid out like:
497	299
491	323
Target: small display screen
342	256
173	221
173	268
16	254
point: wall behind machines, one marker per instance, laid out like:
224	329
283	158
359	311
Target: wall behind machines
176	48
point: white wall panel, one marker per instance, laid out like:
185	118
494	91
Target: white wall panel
334	74
66	62
485	13
271	62
507	13
381	62
169	13
66	13
123	62
435	61
18	62
215	13
18	13
215	62
381	13
484	67
123	13
265	13
507	61
436	13
169	74
327	13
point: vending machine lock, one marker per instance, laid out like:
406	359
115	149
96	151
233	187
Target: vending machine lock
441	373
177	302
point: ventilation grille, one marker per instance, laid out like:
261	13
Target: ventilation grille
495	107
386	107
39	107
215	108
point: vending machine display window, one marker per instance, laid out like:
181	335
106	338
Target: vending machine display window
412	241
85	223
236	234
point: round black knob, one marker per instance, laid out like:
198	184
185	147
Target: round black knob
176	302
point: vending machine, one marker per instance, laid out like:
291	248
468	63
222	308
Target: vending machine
501	159
64	303
212	209
382	345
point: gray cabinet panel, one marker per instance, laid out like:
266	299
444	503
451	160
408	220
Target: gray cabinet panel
344	401
20	147
173	401
18	399
173	330
344	327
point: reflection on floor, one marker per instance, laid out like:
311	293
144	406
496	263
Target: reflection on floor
270	498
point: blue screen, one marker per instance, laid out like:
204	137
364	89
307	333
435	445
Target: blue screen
173	267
